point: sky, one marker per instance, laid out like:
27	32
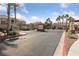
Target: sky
35	12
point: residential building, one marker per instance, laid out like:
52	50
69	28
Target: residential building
76	24
4	22
60	25
36	24
13	25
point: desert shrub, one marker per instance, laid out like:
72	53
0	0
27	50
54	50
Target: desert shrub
72	35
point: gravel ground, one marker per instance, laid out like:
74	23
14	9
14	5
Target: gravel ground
71	40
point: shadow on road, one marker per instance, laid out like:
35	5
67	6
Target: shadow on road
7	43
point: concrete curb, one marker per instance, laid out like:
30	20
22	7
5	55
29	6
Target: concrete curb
59	49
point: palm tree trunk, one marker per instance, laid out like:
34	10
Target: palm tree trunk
14	25
8	20
66	23
62	23
59	23
15	11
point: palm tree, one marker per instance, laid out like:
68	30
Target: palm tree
15	10
8	24
8	12
15	6
67	18
48	23
58	20
62	17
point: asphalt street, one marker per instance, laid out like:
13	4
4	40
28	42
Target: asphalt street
34	44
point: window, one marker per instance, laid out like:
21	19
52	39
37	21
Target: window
12	21
3	22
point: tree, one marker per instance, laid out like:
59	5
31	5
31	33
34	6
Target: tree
8	20
15	10
67	19
8	12
62	17
15	6
58	20
48	23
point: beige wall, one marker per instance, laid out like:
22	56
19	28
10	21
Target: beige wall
4	22
17	24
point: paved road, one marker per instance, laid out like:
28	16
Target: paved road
34	44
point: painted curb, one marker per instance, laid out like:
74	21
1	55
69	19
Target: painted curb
65	45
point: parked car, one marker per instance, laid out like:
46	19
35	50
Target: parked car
40	27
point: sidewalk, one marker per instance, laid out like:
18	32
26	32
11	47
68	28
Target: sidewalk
25	32
74	50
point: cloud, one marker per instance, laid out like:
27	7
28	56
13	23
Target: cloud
20	17
3	7
72	14
23	8
3	10
64	5
37	19
76	17
21	4
54	15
